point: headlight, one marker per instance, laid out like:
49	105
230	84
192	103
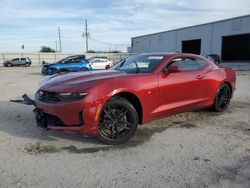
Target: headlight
72	96
57	97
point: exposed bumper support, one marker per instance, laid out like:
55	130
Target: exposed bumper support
26	100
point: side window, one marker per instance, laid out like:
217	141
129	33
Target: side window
103	60
189	64
23	59
96	61
201	63
75	60
65	61
68	61
16	59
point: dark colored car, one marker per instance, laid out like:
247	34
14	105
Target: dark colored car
110	104
18	62
69	64
214	57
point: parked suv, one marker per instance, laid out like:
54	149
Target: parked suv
17	62
213	57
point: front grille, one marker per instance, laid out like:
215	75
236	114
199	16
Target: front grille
53	120
48	96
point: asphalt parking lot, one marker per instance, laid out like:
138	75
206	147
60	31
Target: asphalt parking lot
195	149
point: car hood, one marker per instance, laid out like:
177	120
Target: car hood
79	81
50	64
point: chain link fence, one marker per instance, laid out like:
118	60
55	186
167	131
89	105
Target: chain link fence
38	58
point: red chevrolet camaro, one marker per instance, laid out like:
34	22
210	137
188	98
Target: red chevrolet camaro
110	104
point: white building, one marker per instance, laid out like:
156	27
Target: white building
229	38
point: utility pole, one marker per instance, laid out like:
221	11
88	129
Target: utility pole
59	35
86	35
56	44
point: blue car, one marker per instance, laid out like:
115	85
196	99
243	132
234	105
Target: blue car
68	64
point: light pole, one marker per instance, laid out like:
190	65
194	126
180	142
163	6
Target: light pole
59	35
86	35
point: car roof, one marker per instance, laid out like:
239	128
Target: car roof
168	54
75	56
104	57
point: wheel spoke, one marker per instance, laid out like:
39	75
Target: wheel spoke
116	132
112	131
108	112
105	123
122	112
220	101
125	122
124	127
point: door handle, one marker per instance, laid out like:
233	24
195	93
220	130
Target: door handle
199	77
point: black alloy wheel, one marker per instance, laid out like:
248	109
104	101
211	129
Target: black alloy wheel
223	98
118	121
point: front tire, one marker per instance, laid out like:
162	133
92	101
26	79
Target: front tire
9	65
118	121
84	69
223	98
54	71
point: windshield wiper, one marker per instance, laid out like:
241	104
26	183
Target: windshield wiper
137	67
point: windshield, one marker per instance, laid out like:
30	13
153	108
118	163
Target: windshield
140	63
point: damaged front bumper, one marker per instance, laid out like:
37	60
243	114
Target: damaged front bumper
40	118
49	117
67	117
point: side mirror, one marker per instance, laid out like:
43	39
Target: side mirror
173	69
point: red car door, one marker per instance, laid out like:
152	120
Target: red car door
181	87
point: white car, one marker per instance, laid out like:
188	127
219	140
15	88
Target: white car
17	62
100	63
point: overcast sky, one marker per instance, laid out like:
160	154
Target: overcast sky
34	22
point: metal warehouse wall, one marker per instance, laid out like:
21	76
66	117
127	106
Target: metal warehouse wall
210	34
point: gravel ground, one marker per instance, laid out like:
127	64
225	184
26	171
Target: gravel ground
196	149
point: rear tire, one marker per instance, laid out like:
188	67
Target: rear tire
27	64
8	65
118	121
223	98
